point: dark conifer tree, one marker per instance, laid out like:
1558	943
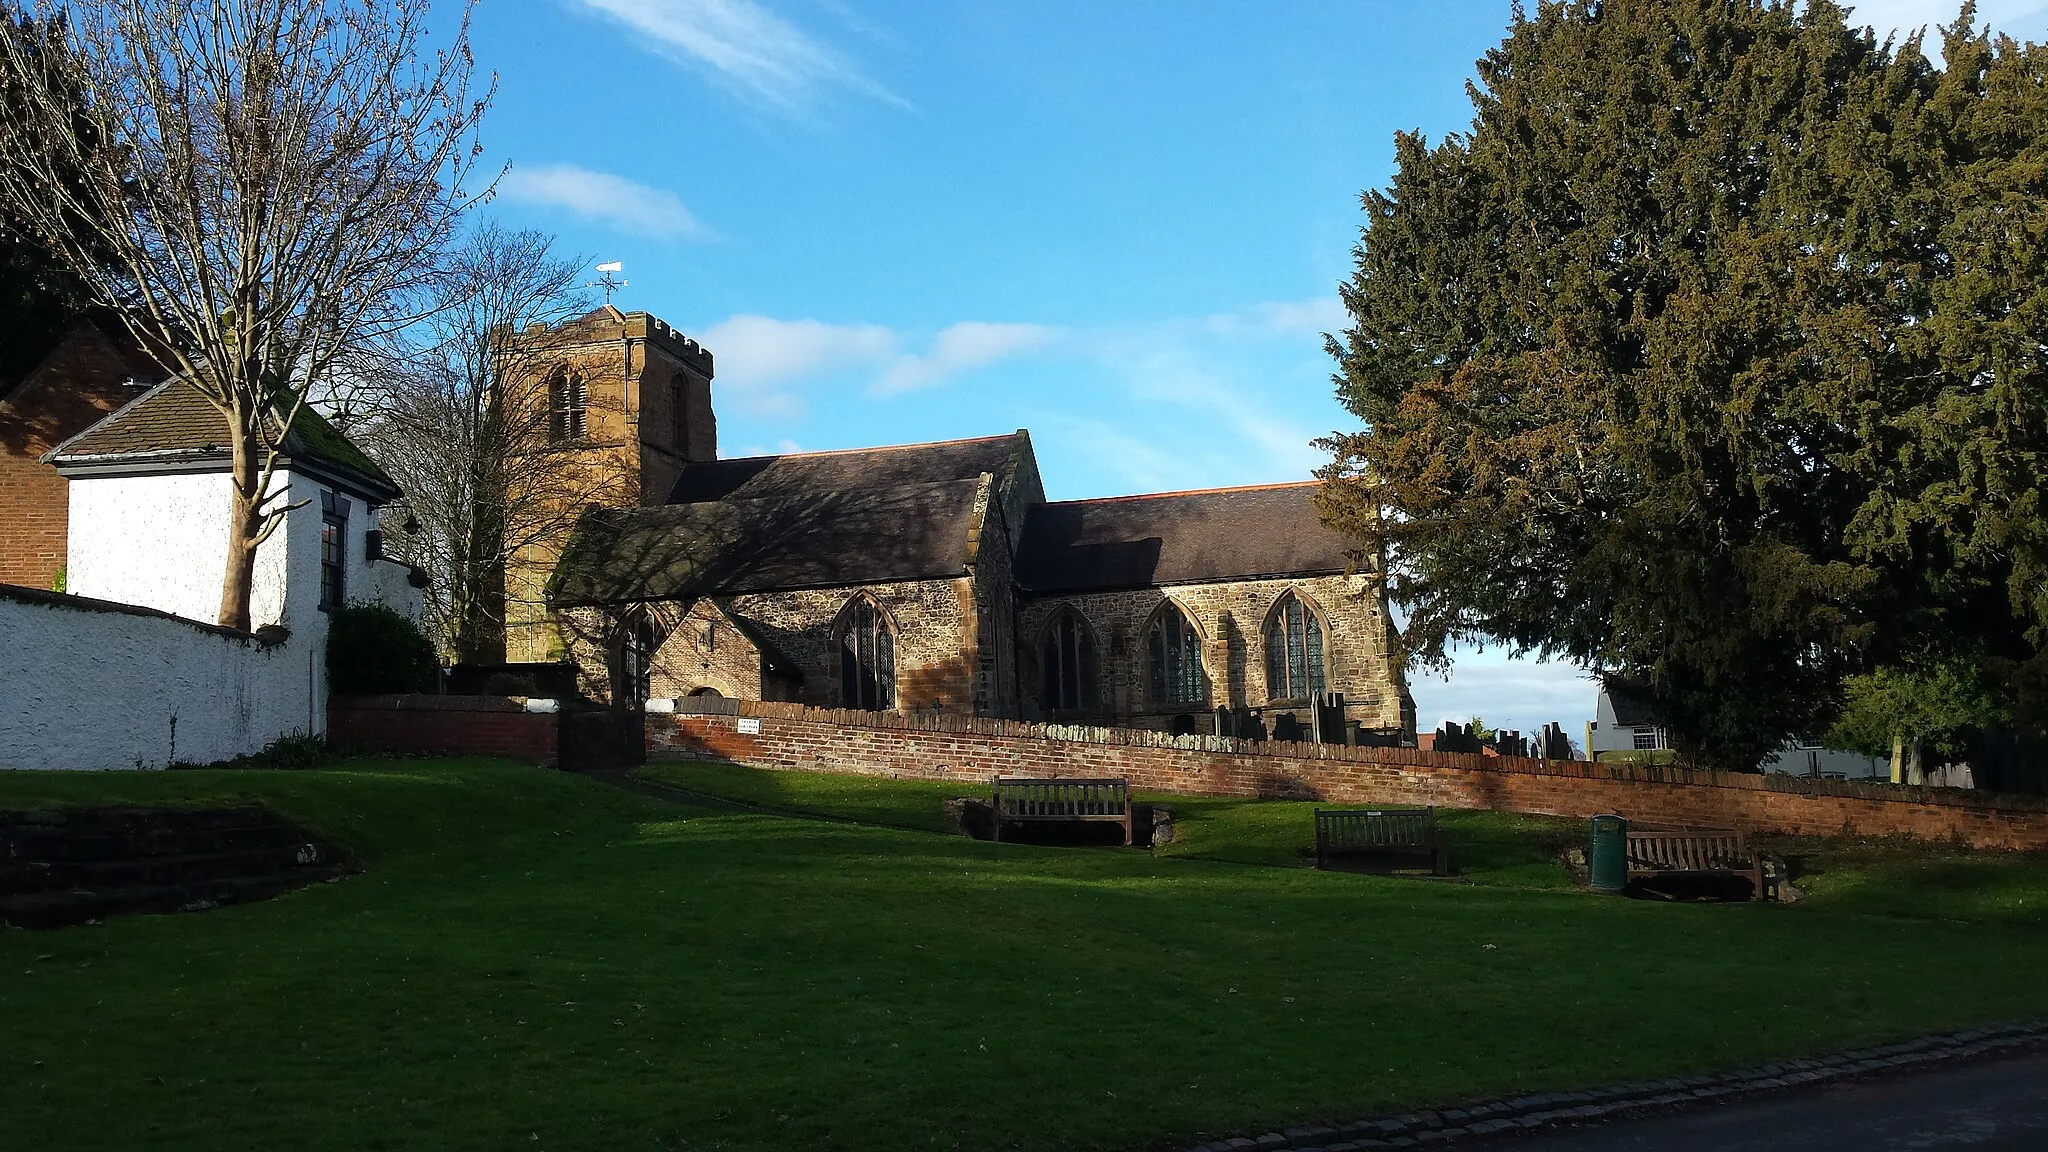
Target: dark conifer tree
38	297
1712	358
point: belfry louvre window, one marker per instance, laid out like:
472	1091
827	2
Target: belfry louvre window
1294	651
1069	664
679	416
867	658
568	401
1174	651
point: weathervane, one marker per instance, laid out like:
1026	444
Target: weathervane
605	281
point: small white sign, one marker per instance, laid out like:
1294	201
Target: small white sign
750	726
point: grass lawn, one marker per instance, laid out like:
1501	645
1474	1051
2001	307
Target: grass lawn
533	960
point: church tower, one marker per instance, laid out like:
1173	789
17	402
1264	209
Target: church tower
629	403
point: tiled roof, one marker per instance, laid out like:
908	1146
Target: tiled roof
1632	709
802	473
1178	538
174	421
814	539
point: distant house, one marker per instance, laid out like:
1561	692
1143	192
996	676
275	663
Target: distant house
1627	723
1623	722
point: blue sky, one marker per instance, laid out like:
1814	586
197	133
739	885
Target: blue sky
1118	225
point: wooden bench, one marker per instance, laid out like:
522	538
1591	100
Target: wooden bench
1023	801
1376	830
1694	852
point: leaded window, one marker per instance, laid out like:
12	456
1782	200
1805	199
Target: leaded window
1174	652
568	400
1069	659
639	660
333	549
1294	651
867	658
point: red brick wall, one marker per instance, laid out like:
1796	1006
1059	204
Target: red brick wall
974	750
77	384
456	725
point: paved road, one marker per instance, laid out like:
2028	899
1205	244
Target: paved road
1988	1106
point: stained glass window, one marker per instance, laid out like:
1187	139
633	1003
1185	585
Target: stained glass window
1294	651
1175	657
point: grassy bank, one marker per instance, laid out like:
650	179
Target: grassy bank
530	959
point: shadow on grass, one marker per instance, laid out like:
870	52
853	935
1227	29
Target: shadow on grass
1485	847
539	960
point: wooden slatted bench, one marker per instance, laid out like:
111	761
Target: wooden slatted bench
1696	852
1376	830
1021	801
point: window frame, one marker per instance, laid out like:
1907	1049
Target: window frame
1176	674
865	638
568	407
334	513
1311	660
1070	666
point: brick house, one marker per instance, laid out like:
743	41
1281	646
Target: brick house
89	373
935	578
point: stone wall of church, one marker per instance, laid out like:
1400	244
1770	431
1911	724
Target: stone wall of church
934	622
701	649
995	600
1231	619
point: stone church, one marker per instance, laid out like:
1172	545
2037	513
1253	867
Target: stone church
928	577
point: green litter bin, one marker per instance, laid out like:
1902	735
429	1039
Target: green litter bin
1607	854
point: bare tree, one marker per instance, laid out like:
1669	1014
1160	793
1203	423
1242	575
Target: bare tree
256	190
473	422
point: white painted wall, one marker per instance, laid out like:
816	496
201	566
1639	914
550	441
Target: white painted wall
159	541
87	685
101	686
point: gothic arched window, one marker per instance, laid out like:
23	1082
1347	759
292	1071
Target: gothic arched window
1294	650
568	399
867	657
1174	655
1069	663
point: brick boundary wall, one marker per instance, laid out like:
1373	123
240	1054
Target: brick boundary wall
976	750
455	725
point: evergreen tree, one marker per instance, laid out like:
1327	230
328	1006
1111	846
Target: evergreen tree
38	295
1711	358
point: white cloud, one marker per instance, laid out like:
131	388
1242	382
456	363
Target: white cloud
765	57
2022	18
1317	315
1507	692
961	348
763	361
1203	372
625	205
761	350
